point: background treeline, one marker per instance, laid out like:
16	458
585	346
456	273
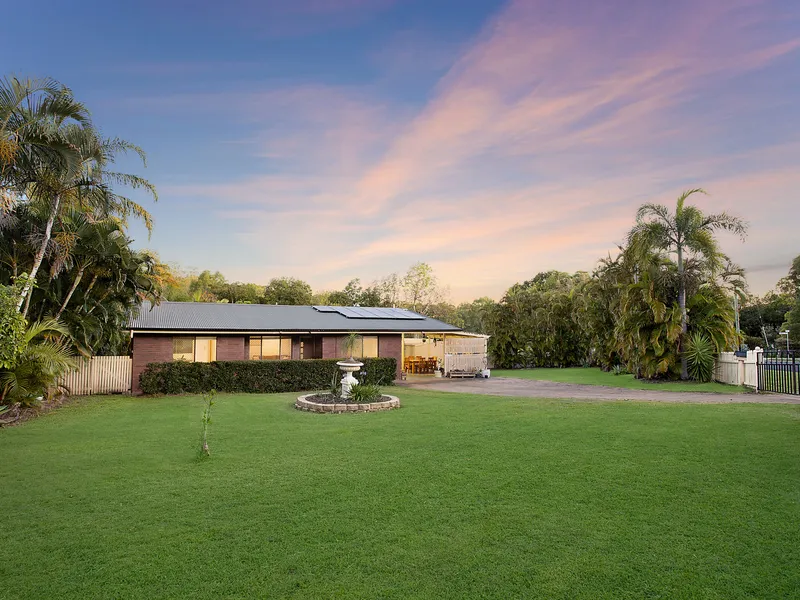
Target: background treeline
418	289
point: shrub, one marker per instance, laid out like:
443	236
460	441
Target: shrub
180	377
364	393
700	357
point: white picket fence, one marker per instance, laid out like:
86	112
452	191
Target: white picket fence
737	370
100	375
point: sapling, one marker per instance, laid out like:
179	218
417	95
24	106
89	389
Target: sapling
209	402
350	343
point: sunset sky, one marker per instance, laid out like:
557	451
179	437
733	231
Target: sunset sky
327	139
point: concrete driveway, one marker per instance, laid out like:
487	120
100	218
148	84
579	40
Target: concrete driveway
507	386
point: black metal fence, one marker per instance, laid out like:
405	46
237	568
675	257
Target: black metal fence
778	371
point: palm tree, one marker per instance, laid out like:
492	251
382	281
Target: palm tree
32	114
86	186
44	357
687	233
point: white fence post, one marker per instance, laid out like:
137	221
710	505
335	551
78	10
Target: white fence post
99	375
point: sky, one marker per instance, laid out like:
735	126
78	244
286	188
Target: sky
333	139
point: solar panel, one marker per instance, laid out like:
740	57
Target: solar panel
370	312
357	312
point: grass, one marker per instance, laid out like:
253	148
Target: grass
595	376
451	496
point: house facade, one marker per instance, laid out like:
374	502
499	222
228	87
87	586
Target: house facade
205	332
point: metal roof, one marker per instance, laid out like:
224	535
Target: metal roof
214	317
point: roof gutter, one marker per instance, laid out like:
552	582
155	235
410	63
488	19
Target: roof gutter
285	332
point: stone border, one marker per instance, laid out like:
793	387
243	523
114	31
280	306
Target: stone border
303	404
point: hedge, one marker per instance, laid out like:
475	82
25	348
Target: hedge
181	377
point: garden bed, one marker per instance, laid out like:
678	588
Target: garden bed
334	404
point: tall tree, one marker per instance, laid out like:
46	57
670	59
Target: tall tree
421	288
87	185
287	290
32	114
688	234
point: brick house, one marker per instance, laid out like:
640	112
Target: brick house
205	332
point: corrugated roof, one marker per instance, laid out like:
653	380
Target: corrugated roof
210	316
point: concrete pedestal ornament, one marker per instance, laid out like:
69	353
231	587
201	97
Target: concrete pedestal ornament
348	381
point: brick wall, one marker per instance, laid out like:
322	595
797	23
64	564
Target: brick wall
330	346
391	346
231	347
148	348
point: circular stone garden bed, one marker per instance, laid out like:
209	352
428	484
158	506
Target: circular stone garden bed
322	403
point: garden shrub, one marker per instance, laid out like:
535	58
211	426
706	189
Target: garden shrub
181	377
700	357
364	393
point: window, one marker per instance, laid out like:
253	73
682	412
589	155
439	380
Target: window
270	347
367	347
194	349
183	348
370	346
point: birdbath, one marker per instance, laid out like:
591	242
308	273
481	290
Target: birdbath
348	381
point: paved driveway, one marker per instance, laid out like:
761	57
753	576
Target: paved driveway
507	386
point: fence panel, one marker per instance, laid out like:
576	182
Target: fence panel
779	371
100	375
727	369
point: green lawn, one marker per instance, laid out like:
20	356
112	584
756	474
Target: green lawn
449	497
594	376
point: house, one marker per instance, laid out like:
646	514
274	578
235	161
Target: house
205	332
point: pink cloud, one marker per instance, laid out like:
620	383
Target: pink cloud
533	152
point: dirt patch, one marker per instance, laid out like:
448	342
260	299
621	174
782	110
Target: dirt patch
331	399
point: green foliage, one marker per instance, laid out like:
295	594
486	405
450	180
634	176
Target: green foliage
364	393
63	216
761	318
12	327
790	285
535	324
688	235
700	355
182	377
336	382
287	290
46	355
350	343
208	401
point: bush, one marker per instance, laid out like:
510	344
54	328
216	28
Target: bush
700	357
181	377
364	393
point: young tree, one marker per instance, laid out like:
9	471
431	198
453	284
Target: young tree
421	287
688	234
